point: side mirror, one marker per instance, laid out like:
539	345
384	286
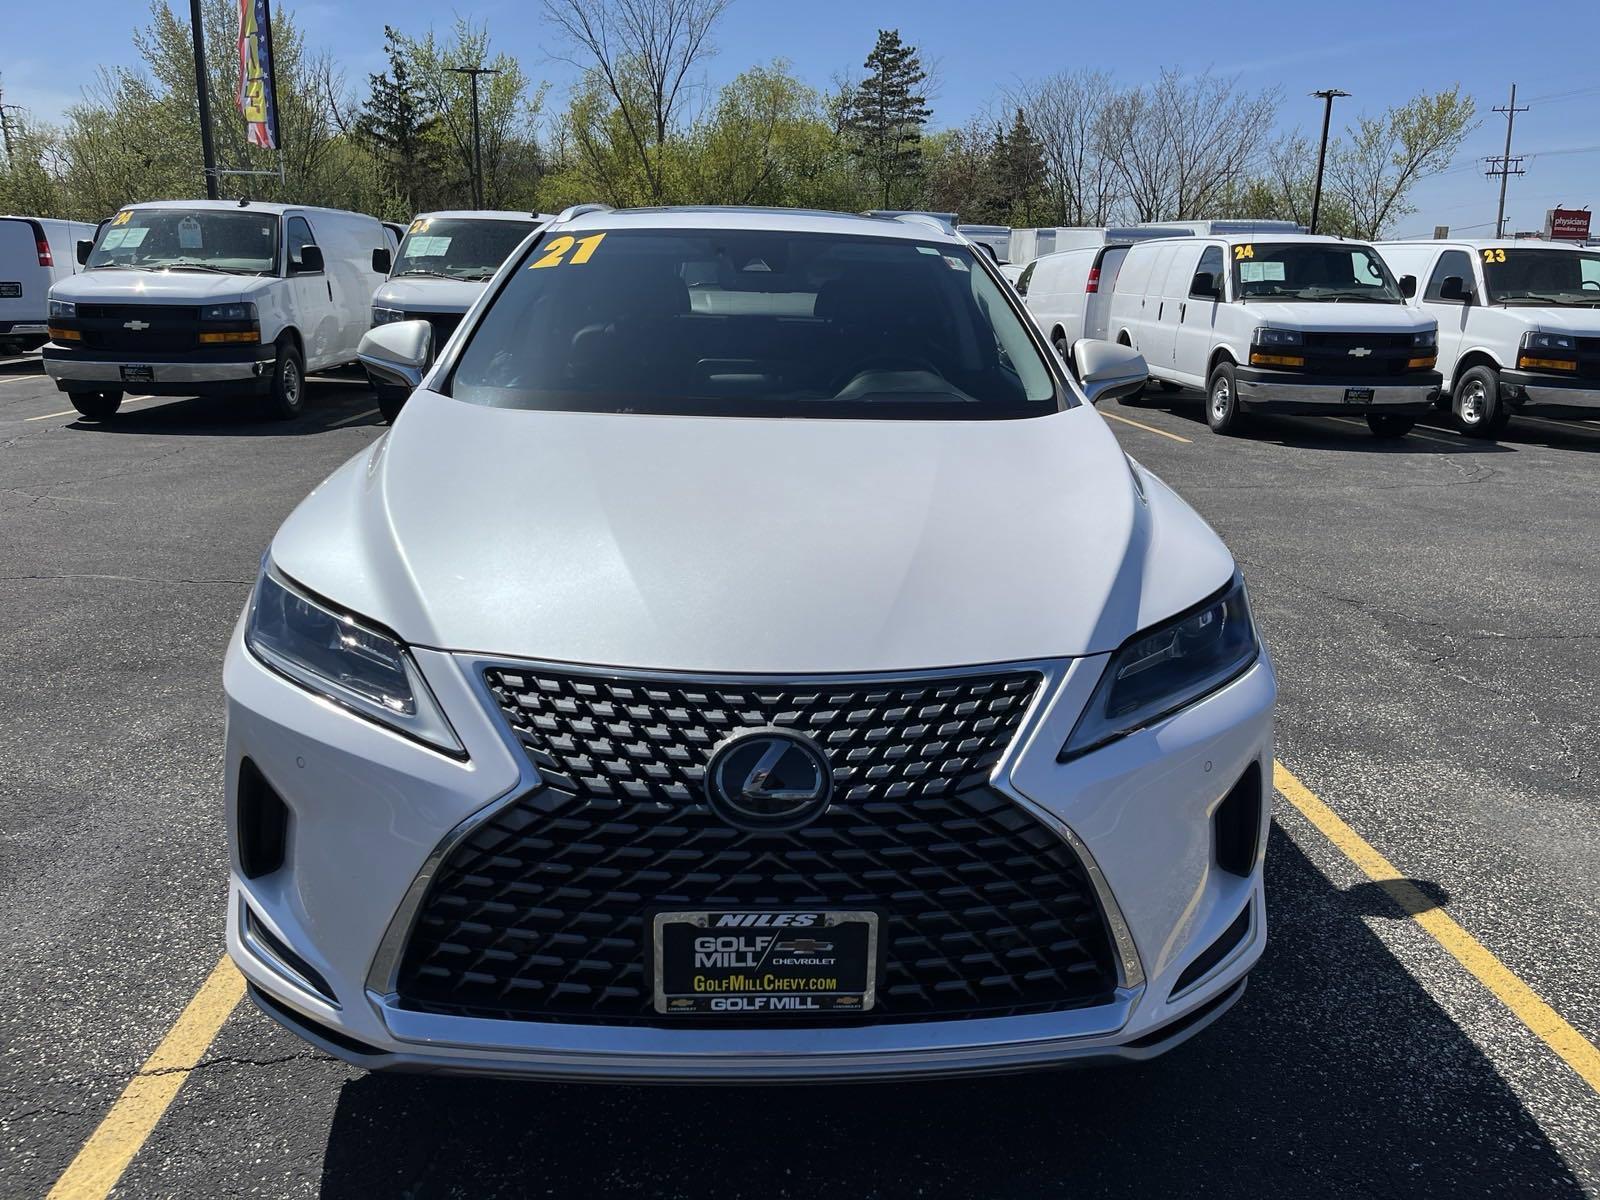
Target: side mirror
1408	286
382	260
85	248
1454	289
990	251
1205	285
397	355
1107	370
310	261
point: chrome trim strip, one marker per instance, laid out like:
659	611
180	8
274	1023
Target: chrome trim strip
67	370
383	974
1263	392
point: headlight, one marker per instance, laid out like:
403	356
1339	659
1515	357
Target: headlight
228	312
1278	337
1168	667
382	316
1548	341
335	655
62	308
1426	340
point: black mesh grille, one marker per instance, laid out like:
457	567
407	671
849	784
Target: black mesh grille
542	912
159	328
1330	353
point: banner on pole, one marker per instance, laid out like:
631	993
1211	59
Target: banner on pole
258	90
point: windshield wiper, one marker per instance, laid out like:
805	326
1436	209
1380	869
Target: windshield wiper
194	266
1548	301
423	271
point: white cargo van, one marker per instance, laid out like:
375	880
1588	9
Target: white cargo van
1282	322
443	265
34	253
212	297
1519	325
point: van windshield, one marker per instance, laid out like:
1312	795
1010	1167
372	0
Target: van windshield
458	248
1315	271
1564	278
201	239
750	323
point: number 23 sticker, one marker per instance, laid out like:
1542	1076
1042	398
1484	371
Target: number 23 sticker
1494	255
555	254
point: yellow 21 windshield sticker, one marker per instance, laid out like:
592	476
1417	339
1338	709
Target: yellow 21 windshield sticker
555	254
1494	255
1242	252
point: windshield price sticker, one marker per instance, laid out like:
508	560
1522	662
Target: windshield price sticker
778	963
189	234
1494	254
555	254
1243	252
427	247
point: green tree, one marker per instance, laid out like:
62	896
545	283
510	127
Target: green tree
886	117
1019	173
1381	159
394	126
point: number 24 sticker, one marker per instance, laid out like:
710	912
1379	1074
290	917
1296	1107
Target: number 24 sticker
555	254
1243	252
1494	255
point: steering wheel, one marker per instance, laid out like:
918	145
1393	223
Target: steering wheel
885	362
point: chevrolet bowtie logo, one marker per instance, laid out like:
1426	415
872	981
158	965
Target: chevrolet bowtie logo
136	326
1360	352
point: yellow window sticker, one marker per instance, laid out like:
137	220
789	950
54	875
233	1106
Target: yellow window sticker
555	254
123	217
1494	255
1243	252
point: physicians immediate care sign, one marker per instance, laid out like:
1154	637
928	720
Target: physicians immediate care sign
258	91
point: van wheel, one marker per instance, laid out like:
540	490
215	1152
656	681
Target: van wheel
1222	401
1064	348
1479	410
1386	425
287	399
97	406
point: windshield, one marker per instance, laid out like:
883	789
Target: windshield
754	324
1566	278
457	247
1316	271
202	239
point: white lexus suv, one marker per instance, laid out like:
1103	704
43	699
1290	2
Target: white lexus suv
748	657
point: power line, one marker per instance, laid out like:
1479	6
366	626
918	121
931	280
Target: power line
1506	165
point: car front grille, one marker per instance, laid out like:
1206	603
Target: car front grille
158	328
1339	353
542	912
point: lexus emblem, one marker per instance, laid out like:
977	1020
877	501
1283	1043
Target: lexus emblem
764	778
136	326
1360	352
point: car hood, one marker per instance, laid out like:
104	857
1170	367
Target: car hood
1581	322
112	286
429	295
750	545
1345	317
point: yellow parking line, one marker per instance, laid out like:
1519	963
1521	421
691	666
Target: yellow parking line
1525	1004
353	417
1148	428
111	1147
22	379
47	416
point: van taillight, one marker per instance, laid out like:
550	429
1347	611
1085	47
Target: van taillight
1093	285
46	259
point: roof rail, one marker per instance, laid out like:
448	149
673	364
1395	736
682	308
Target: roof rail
577	210
943	222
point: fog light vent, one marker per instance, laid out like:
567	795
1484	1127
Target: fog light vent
1214	953
268	945
263	823
1236	825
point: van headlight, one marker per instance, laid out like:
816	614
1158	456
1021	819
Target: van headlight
382	316
1428	339
349	662
1548	341
62	308
1266	336
1168	667
228	312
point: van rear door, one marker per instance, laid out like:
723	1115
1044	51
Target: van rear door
24	283
1169	289
1097	306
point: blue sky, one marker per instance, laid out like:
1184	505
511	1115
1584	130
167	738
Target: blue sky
1381	52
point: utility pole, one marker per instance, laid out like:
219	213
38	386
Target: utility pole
477	144
1328	95
203	91
1506	166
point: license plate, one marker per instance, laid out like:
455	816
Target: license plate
792	963
1358	395
138	373
10	291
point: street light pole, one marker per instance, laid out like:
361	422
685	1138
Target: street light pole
477	142
1328	95
202	90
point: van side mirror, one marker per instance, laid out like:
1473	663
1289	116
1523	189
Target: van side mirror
1205	285
310	261
85	248
1408	286
397	355
1453	288
1107	370
382	260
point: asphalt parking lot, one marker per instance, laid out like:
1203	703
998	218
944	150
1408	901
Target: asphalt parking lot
1433	609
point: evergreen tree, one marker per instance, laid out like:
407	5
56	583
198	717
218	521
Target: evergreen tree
885	118
1019	172
395	123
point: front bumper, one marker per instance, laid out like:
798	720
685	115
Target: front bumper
371	812
1284	392
246	372
1529	392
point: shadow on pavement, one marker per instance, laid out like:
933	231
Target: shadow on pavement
1336	1075
330	404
